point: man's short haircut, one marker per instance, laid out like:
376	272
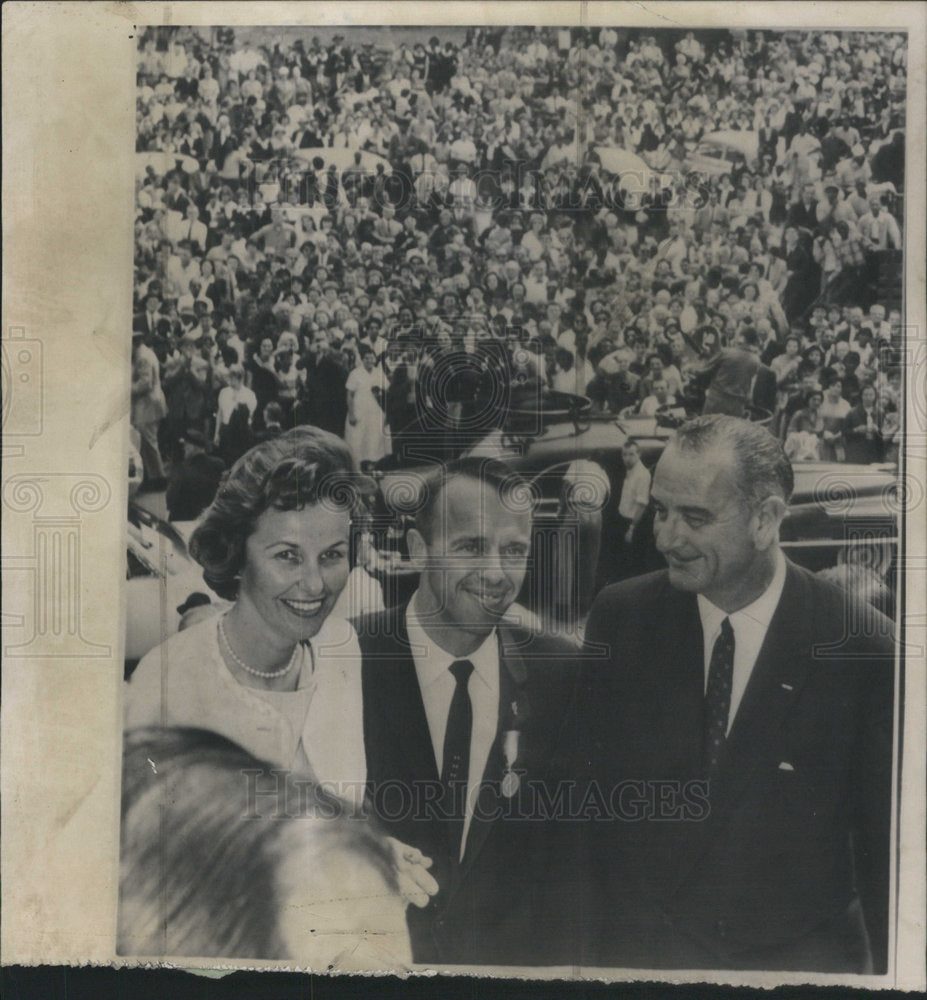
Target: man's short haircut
564	358
762	468
513	489
273	413
198	840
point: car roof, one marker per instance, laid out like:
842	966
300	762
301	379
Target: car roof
747	142
617	160
837	483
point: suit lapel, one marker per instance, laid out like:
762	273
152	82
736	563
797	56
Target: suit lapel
676	688
398	700
779	674
669	719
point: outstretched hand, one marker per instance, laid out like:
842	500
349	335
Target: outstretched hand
416	884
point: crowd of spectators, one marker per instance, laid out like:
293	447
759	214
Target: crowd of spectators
392	239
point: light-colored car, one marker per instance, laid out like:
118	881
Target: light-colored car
343	158
635	178
718	153
163	163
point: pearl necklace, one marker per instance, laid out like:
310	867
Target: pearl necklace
250	670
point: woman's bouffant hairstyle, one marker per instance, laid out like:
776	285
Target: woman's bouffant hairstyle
301	467
207	831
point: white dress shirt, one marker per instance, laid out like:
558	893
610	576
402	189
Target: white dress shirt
437	685
635	490
750	625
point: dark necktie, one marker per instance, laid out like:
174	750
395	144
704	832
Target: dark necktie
718	696
455	770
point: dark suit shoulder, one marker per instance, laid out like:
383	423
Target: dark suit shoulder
370	623
550	662
540	645
840	616
382	632
627	611
374	621
637	589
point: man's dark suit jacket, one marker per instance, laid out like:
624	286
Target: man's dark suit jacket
859	448
193	486
736	378
142	324
764	389
323	401
489	906
777	866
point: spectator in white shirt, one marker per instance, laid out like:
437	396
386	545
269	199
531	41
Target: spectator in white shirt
181	269
463	149
878	227
233	395
659	400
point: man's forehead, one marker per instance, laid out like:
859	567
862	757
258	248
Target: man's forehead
471	506
693	475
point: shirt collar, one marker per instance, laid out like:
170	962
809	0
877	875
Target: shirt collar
432	661
756	615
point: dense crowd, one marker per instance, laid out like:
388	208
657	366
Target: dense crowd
391	241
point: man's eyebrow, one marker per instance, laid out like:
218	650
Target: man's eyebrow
698	511
459	539
685	508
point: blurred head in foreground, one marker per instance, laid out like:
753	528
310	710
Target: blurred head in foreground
221	858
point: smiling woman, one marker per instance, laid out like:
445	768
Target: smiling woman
277	674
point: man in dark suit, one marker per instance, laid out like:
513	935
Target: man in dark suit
462	712
743	718
147	322
736	378
862	429
194	481
803	213
323	397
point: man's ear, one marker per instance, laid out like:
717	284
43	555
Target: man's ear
418	548
769	517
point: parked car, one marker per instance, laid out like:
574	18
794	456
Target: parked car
718	153
342	158
635	178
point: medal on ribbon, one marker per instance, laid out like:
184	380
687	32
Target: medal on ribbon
510	780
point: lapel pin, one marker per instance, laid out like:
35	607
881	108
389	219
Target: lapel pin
785	766
787	687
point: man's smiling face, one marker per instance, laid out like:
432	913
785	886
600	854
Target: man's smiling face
474	557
